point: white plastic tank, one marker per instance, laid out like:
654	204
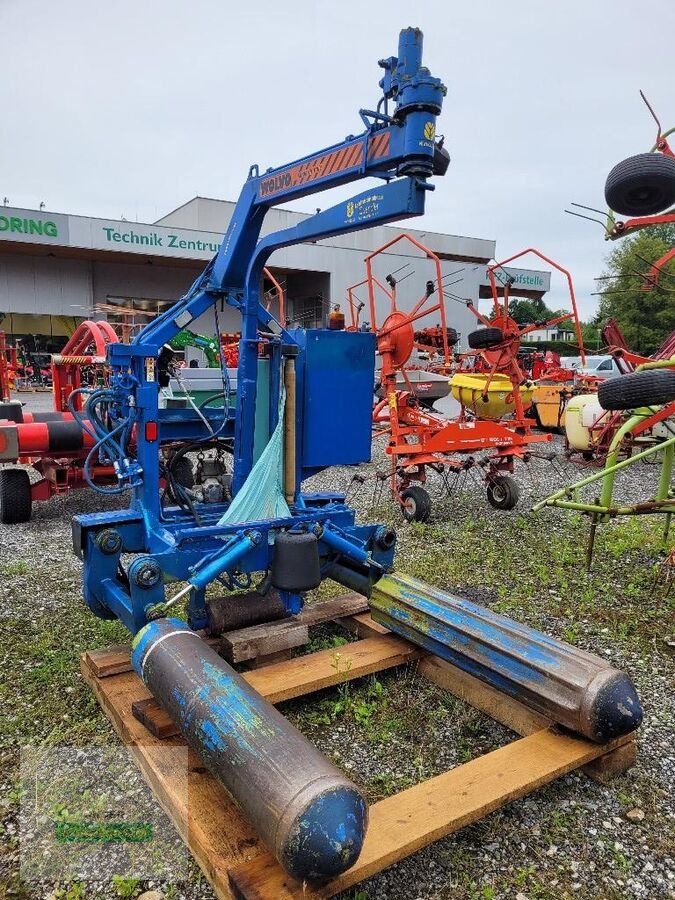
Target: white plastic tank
583	416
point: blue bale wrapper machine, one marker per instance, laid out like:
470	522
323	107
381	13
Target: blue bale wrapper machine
303	403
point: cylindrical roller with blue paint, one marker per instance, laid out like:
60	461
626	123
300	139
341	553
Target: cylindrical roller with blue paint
574	688
310	816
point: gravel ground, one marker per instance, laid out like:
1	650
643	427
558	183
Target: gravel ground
574	838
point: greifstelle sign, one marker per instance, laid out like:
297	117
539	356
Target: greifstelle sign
528	279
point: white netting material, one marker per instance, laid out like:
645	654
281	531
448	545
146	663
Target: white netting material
261	496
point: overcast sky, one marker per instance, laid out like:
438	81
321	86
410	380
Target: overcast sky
131	107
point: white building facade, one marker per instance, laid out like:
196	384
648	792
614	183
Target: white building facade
57	269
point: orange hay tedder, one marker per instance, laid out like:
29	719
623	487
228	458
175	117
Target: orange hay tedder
420	439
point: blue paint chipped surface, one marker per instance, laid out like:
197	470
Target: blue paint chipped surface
519	661
328	836
267	765
235	721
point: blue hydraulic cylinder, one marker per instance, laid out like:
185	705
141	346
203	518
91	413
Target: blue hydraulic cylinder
310	816
343	546
224	560
570	686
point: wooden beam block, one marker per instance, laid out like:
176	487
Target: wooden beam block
116	660
306	674
406	822
262	640
337	608
363	625
109	661
612	764
261	661
150	714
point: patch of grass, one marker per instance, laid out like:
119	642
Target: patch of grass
126	887
76	890
320	640
18	567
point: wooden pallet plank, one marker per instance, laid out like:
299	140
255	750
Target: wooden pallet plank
477	693
363	625
271	659
336	608
406	822
307	674
117	660
109	661
156	719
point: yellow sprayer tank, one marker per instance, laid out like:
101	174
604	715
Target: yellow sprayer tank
469	389
583	414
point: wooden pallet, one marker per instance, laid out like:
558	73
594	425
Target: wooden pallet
231	855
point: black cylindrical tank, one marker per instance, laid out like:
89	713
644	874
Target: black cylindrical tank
296	566
310	816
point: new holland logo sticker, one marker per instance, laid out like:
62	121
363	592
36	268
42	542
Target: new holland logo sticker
429	131
350	209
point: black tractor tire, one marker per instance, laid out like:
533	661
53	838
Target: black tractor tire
416	504
653	387
483	338
502	492
182	472
641	185
15	497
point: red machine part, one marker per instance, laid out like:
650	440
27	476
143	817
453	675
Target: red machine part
626	360
229	344
53	442
52	437
396	319
229	341
547	366
67	365
4	370
617	346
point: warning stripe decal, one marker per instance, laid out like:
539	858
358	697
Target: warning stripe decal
322	166
379	145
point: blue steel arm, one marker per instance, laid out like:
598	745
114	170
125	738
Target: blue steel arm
400	144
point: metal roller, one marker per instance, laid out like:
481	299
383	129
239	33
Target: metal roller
241	610
310	816
570	686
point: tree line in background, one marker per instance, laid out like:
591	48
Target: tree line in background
645	311
646	317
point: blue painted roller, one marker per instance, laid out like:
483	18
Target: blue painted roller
310	816
572	687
